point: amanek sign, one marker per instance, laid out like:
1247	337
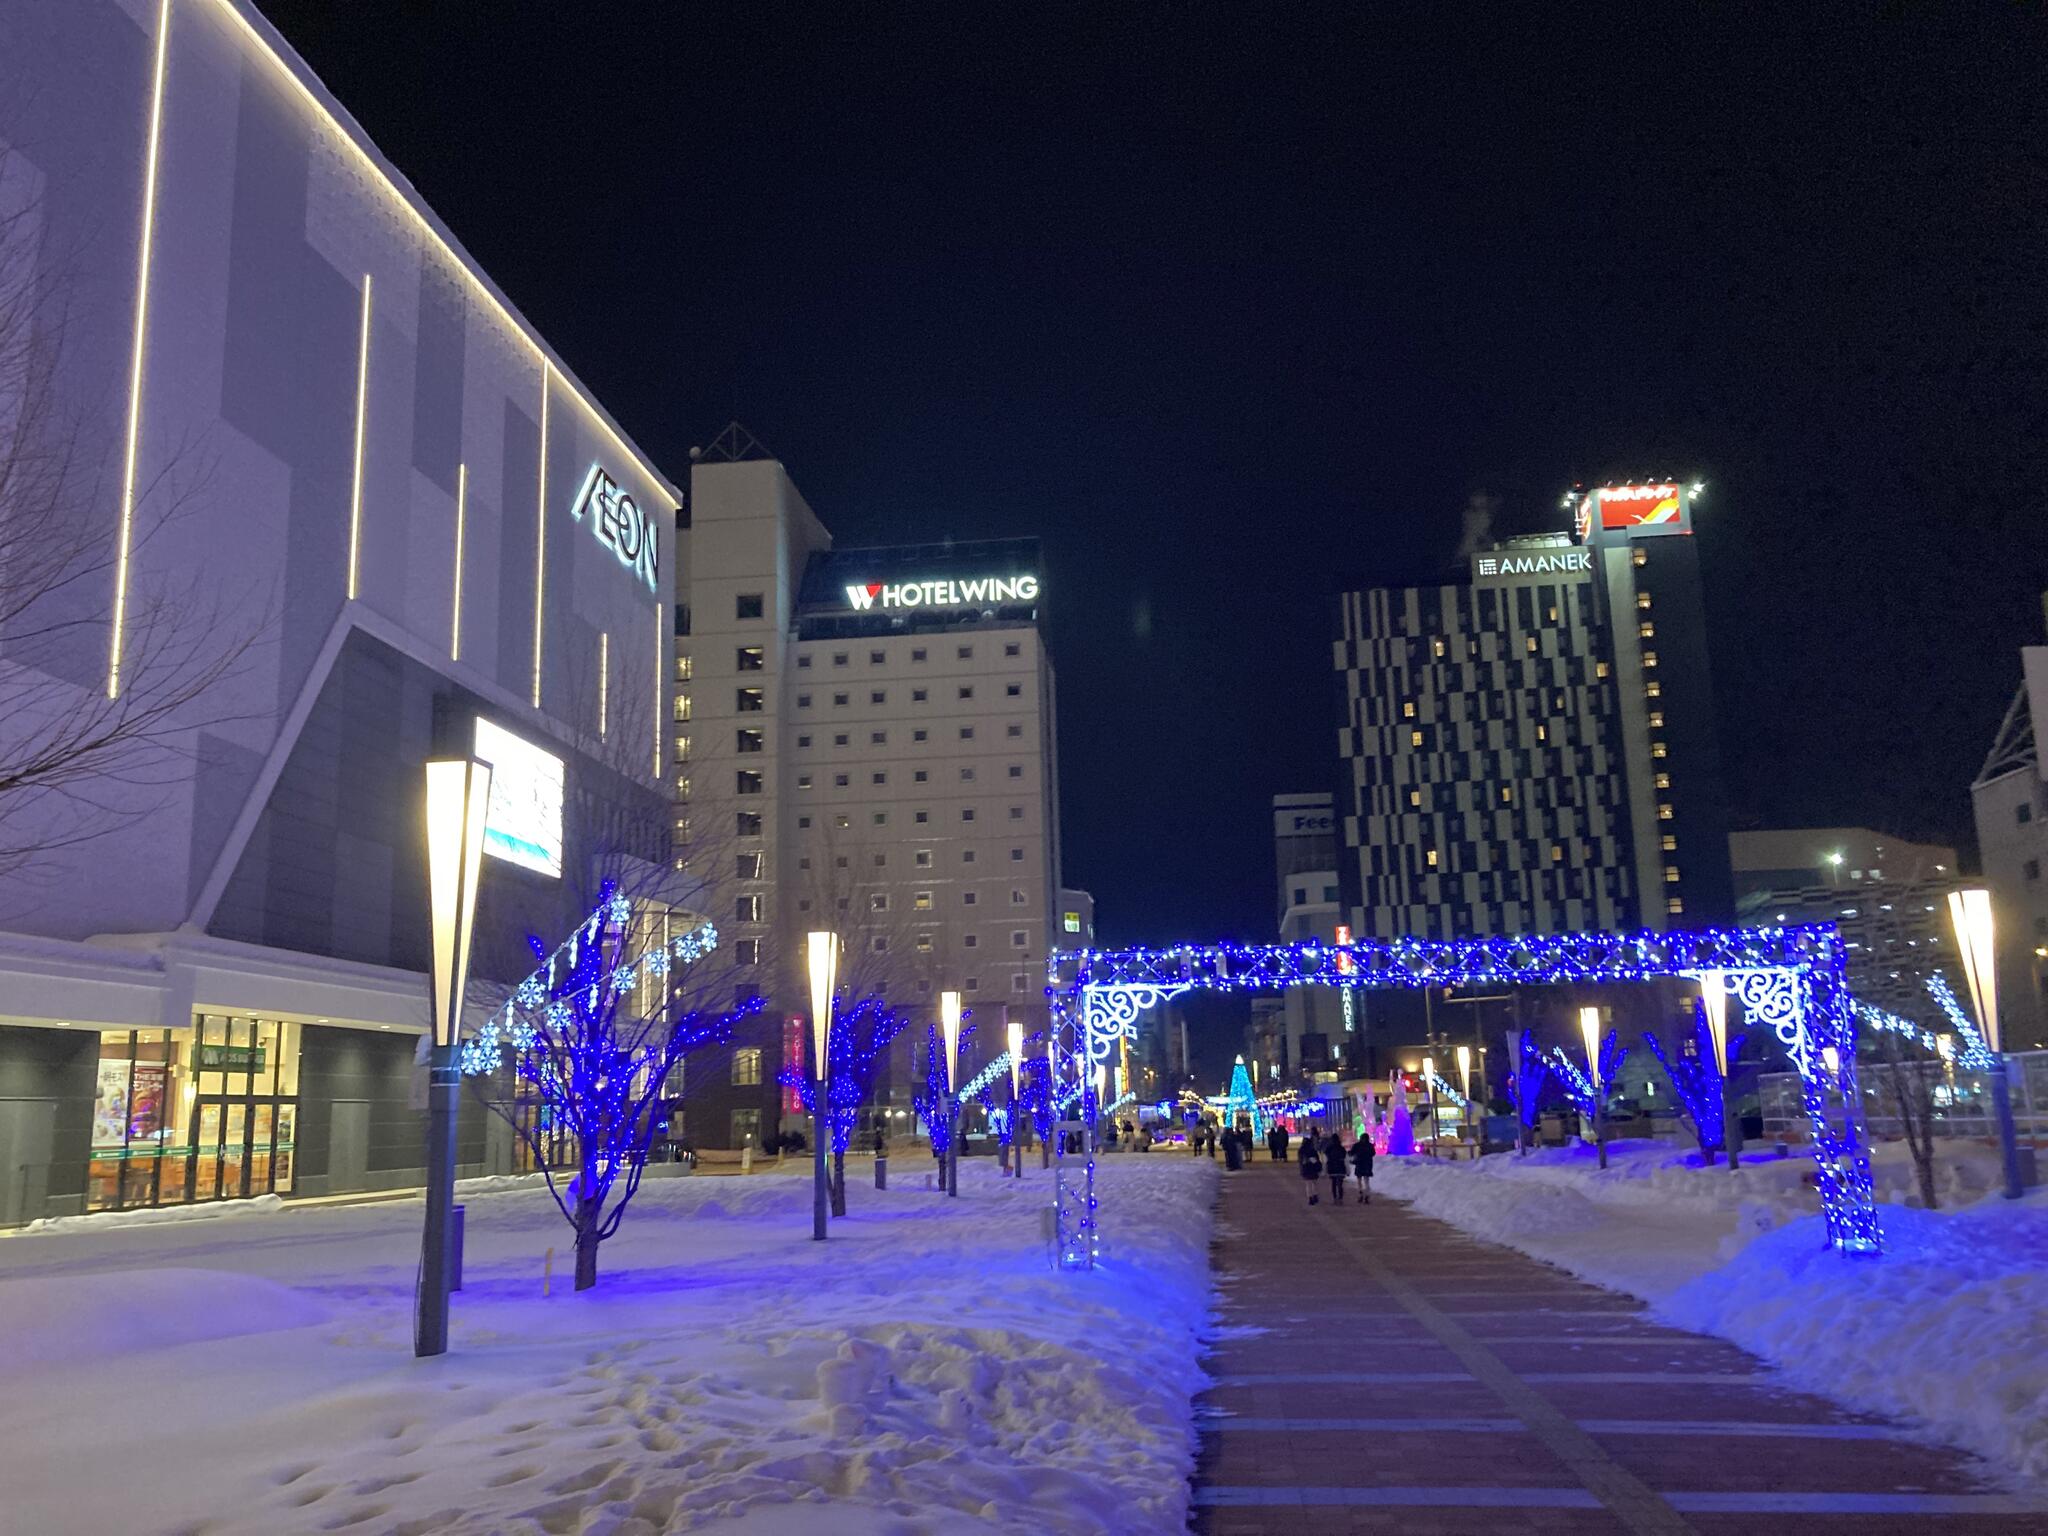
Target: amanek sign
980	592
1501	565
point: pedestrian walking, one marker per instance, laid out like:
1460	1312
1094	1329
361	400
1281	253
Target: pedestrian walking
1276	1142
1311	1167
1233	1150
1361	1164
1333	1161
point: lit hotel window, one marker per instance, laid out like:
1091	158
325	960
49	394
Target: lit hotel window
924	943
1553	613
1543	733
1663	781
1653	689
1530	644
1658	749
1415	797
750	658
1671	875
685	669
682	749
1439	647
1670	843
1656	719
1507	794
1638	558
1663	813
1642	599
1556	853
1429	858
1674	906
1599	669
682	786
1649	658
1415	738
1646	630
751	741
749	701
682	708
1408	710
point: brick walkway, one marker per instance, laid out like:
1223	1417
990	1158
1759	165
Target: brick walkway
1394	1375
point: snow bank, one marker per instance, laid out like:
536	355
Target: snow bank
1945	1330
62	1321
926	1371
157	1216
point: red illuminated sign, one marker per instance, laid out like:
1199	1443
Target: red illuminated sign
792	1056
1643	508
1344	960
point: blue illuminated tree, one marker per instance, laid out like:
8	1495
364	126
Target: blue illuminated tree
1576	1085
1525	1088
856	1052
589	1042
928	1103
1696	1079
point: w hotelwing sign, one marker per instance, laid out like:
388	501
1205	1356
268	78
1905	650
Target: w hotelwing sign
981	591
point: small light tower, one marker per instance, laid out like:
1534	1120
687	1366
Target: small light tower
1589	1026
822	952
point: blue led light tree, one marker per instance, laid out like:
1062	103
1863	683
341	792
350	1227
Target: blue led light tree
1696	1079
858	1047
588	1043
1241	1100
933	1105
1528	1075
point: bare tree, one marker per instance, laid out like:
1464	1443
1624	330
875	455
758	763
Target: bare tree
1914	1096
97	717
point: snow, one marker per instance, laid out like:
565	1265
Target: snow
1944	1331
925	1372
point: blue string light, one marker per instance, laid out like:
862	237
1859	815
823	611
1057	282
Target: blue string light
1696	1079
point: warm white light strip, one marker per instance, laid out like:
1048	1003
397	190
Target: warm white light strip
355	499
604	681
461	512
147	250
540	539
662	647
512	322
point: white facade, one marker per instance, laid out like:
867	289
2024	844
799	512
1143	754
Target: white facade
2010	801
889	775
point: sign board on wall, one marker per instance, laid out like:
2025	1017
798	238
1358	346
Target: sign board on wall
1514	567
1636	510
981	592
618	523
524	823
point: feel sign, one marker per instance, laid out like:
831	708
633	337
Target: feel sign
618	522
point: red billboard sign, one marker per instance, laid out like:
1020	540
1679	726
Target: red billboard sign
1643	509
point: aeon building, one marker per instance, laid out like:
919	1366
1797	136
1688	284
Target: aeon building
338	508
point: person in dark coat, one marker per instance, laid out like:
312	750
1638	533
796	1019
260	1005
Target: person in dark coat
1333	1164
1276	1142
1311	1167
1361	1164
1233	1149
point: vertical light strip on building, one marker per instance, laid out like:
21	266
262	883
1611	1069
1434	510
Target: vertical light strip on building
146	250
355	498
461	511
540	541
662	647
604	681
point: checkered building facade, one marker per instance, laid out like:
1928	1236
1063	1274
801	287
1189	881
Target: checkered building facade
1484	788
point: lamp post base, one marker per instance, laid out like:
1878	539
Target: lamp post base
430	1313
821	1195
2008	1139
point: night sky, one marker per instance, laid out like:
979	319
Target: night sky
1234	308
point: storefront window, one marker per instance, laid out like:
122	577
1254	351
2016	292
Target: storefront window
205	1113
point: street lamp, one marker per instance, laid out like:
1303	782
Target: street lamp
458	801
1016	1045
1714	1002
949	1027
1589	1026
1835	867
1970	912
822	951
1465	1084
1429	1083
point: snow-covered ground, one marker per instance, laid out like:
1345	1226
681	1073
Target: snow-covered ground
923	1373
1949	1328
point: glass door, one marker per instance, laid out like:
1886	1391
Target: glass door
206	1120
234	1152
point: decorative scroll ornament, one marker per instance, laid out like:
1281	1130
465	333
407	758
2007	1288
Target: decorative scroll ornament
1111	1011
1774	998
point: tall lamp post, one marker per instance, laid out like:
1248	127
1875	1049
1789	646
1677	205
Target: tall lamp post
1714	1001
458	799
949	1029
1016	1045
822	951
1970	911
1465	1088
1589	1026
1429	1083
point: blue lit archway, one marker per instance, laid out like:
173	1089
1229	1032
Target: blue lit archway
1789	980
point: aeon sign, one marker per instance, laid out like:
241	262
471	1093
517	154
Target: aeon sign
618	522
943	594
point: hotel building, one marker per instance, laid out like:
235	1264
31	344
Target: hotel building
1533	749
865	745
321	454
